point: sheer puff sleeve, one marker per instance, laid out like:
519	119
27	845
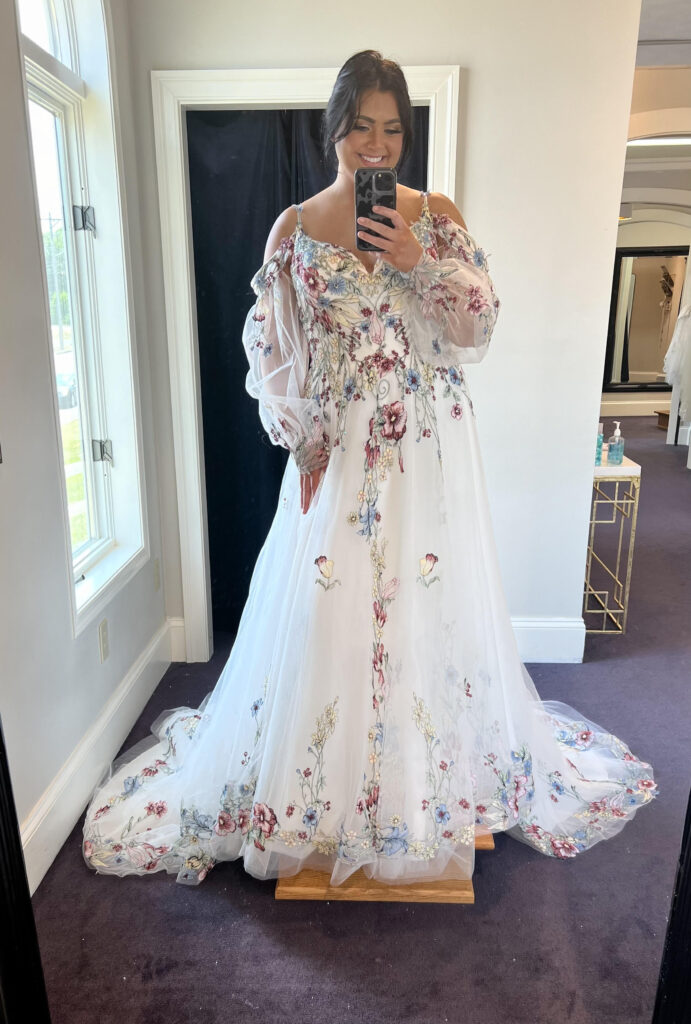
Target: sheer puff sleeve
278	353
455	307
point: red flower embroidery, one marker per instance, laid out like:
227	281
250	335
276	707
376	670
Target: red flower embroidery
159	809
563	848
264	819
395	417
225	824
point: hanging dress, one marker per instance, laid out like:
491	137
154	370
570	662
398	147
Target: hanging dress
374	711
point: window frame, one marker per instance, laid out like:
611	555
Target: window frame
61	102
101	289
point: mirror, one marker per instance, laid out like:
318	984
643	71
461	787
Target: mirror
646	295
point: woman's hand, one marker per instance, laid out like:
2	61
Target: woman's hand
401	248
309	482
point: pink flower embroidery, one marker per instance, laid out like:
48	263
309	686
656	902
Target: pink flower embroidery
372	451
264	818
563	848
376	329
143	856
372	797
159	809
476	303
225	824
390	589
395	417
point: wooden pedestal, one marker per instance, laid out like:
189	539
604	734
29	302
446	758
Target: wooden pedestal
315	885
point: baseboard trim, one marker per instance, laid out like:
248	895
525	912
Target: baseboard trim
555	639
178	644
53	817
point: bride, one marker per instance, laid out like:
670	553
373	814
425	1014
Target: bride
373	712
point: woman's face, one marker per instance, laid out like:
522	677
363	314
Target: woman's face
376	138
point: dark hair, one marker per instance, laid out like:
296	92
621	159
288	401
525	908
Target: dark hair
364	71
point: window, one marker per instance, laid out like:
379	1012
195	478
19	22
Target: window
85	260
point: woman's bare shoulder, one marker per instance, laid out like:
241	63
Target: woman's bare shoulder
283	227
439	203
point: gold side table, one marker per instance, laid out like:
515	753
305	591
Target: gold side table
610	546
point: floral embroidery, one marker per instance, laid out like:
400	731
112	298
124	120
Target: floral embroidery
325	566
363	346
427	565
312	780
516	784
441	805
259	822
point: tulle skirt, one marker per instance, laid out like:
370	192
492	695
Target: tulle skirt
374	712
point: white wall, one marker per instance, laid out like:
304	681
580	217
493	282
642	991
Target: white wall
542	136
53	687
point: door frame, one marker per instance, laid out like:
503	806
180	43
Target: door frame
175	92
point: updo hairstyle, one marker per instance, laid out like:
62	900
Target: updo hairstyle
362	72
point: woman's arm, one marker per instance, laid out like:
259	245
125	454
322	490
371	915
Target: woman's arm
278	354
455	304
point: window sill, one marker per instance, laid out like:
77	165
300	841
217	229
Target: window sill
103	581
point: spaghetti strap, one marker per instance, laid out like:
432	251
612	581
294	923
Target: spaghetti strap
425	207
298	208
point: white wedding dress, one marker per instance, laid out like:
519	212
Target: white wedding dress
374	710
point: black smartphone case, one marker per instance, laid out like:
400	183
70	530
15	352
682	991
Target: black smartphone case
374	186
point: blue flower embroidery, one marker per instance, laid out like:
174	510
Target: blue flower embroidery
256	706
453	375
310	818
337	285
396	840
367	519
349	389
413	378
441	814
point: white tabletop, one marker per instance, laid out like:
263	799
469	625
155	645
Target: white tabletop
627	468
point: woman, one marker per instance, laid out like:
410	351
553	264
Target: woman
374	712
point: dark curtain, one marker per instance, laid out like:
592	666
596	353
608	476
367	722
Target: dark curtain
245	166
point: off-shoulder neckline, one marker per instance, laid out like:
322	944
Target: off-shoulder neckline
426	213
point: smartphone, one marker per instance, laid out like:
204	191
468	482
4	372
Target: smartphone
374	186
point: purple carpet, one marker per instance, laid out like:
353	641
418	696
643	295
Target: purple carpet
547	940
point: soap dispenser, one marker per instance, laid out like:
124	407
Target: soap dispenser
615	447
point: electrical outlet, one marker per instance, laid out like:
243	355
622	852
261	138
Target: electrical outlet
157	574
103	639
